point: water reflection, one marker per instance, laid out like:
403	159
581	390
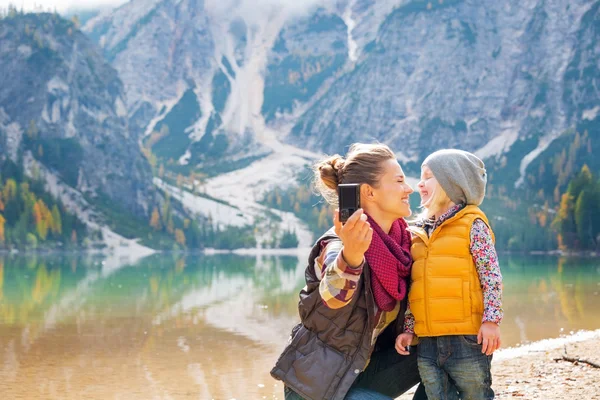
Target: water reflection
206	326
162	328
546	297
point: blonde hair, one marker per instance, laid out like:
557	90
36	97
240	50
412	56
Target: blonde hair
438	202
363	164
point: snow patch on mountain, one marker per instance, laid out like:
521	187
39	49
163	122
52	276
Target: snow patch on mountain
222	214
501	143
591	114
542	145
351	24
14	135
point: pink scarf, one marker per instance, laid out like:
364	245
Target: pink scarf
390	262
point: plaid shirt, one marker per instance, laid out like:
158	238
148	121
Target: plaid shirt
486	263
339	282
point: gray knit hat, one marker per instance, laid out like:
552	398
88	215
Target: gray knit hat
460	173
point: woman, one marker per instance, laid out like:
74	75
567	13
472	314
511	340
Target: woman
356	285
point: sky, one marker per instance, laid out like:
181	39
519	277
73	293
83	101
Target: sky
60	5
294	7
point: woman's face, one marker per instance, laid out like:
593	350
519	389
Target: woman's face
391	195
426	185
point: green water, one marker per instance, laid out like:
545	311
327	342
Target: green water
208	326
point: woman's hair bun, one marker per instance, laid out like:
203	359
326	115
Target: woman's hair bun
329	172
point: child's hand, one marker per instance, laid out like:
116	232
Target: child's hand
403	342
489	335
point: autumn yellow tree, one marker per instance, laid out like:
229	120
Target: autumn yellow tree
564	222
43	219
10	190
155	219
2	222
180	237
1	277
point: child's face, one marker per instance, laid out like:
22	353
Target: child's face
426	185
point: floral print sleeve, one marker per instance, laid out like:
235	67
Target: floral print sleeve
488	269
409	320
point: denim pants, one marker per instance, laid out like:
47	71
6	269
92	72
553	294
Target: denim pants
387	376
453	367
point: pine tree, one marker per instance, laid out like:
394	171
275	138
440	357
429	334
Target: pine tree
32	131
577	222
56	221
289	239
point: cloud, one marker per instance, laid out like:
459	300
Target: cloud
257	9
293	8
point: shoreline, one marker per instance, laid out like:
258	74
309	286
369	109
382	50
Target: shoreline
543	345
553	253
126	251
118	244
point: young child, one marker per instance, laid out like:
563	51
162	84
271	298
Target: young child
455	299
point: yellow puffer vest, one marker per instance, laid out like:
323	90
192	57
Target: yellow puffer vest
445	295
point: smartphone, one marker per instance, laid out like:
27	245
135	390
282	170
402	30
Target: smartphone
349	200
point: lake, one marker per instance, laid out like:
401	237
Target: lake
208	327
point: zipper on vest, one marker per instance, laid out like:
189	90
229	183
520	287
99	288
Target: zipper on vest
426	299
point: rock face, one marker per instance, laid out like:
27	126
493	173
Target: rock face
206	77
475	75
181	64
64	104
215	80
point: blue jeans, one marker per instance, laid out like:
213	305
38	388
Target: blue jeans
387	376
454	367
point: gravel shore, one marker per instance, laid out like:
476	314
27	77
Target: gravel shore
539	371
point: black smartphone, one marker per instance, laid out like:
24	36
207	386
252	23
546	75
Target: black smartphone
349	200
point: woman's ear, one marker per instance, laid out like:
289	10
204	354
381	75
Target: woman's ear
366	192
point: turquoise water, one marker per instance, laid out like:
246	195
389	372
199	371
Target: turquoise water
208	326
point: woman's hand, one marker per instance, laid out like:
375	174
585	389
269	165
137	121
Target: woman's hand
403	342
356	235
489	335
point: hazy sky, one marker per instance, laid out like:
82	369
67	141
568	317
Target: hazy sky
60	5
247	7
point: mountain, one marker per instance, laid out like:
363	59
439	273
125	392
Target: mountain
474	75
63	115
239	96
417	75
